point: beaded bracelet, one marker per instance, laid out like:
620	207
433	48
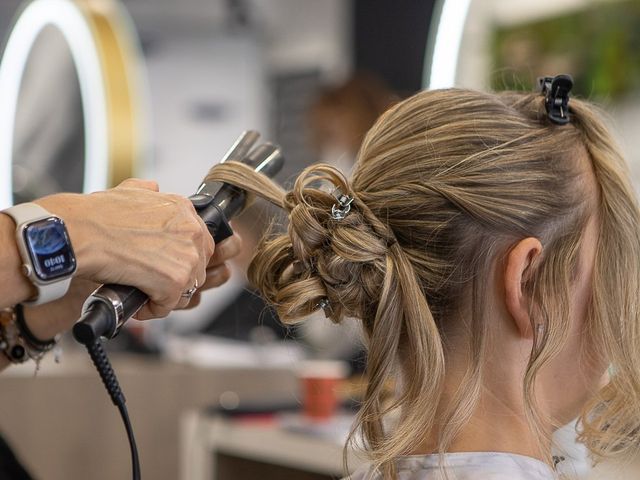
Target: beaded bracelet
17	341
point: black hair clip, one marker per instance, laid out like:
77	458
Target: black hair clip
556	97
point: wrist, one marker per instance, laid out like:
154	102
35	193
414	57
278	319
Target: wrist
39	325
19	344
11	272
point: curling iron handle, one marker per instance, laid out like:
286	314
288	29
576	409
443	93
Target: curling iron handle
109	302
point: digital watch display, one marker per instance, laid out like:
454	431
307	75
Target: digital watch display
50	249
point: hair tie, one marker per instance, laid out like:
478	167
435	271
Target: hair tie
556	92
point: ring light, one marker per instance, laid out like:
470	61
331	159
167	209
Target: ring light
443	47
105	54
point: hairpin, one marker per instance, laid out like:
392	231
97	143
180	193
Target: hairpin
325	305
556	92
340	210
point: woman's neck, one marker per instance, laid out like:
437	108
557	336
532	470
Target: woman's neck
497	424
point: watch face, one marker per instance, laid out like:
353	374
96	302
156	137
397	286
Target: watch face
50	249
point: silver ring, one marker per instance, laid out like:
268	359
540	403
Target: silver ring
189	293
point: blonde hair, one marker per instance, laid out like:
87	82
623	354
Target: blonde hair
446	181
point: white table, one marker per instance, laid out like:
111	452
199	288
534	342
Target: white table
205	436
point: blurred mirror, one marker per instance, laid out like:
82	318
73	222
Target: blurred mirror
48	141
73	114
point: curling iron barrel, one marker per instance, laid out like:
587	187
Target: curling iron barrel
110	306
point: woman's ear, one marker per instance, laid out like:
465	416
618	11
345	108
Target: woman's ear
519	261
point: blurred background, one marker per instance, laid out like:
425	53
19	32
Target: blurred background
160	89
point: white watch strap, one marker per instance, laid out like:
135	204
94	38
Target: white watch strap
50	291
27	213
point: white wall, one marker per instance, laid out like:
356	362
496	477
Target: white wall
303	33
205	91
195	61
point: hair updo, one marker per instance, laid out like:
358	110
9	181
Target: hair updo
445	183
342	261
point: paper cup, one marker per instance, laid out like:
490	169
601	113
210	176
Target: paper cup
319	380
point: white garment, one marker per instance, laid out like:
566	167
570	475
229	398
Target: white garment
466	466
576	463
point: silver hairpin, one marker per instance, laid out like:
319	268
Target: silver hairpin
340	210
325	305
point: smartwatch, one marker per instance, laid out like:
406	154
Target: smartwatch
46	251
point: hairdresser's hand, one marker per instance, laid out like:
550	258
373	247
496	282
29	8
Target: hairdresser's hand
133	235
218	272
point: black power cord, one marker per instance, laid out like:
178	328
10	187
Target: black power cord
101	361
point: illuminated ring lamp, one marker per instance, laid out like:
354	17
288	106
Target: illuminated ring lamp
105	53
443	46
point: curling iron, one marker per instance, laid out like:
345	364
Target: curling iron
110	306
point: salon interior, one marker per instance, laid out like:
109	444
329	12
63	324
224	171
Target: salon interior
95	91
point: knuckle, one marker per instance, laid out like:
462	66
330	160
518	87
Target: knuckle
173	302
230	250
222	251
192	258
174	285
202	277
161	300
125	182
195	230
185	204
219	276
225	274
236	244
139	183
209	246
176	201
182	278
